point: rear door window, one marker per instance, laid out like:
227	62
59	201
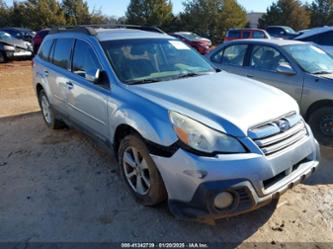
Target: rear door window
62	52
246	34
44	51
234	55
234	34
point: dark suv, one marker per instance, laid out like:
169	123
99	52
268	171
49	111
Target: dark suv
284	32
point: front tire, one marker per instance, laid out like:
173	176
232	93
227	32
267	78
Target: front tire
321	122
47	112
140	172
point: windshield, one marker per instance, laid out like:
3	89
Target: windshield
190	36
152	60
290	30
5	37
312	59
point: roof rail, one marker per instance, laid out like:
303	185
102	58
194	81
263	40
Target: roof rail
91	29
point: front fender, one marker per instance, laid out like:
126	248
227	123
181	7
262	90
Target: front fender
152	123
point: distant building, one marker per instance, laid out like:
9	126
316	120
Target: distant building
253	18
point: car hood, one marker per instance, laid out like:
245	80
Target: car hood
324	76
17	43
223	101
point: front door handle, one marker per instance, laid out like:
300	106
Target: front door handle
70	85
250	76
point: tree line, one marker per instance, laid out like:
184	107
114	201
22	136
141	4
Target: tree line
38	14
211	18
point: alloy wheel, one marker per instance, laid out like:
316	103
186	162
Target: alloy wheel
326	125
46	109
136	171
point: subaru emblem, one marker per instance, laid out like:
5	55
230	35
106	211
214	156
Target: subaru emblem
283	125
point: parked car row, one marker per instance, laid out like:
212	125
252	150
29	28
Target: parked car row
20	33
212	143
38	38
13	48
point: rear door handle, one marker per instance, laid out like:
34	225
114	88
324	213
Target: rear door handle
250	76
46	73
70	85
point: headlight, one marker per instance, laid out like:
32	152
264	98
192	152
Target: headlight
202	138
8	48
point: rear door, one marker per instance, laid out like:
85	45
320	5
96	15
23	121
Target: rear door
263	65
231	58
59	71
86	98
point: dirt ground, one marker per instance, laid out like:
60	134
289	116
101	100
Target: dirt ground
16	92
58	186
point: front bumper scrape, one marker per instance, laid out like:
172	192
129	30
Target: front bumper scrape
246	198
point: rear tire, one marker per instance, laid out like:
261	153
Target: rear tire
321	122
48	113
140	172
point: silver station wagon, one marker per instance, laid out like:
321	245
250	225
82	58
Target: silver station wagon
300	69
212	143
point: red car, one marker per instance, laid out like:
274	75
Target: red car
236	34
39	37
202	45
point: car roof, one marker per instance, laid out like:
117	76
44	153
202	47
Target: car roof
277	26
183	33
124	34
314	31
277	42
17	29
107	34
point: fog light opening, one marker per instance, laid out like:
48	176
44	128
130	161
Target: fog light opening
223	200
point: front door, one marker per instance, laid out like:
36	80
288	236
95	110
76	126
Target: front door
87	99
264	64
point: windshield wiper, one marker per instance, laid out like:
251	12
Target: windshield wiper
190	74
323	72
144	81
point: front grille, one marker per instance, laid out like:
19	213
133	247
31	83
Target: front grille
271	181
279	134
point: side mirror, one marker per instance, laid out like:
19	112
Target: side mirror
285	69
94	76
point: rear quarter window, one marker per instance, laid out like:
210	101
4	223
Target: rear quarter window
258	34
44	50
